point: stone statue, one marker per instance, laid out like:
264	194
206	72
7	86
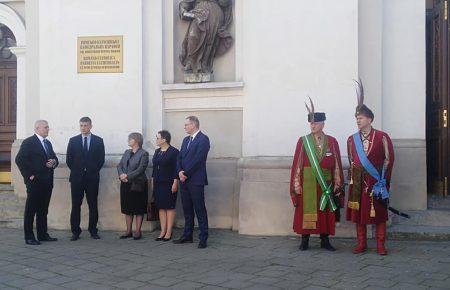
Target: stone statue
206	38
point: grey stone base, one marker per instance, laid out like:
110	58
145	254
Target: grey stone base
220	195
250	195
198	77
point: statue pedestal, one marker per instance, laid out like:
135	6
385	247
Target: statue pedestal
198	77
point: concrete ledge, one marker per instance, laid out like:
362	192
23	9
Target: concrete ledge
221	195
196	86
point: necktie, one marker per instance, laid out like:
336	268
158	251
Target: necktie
45	146
85	146
190	140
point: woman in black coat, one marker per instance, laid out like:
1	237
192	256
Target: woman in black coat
165	183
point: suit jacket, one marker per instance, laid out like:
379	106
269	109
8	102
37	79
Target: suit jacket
31	160
134	165
93	162
192	160
165	165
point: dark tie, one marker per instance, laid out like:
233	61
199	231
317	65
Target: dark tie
45	146
190	140
85	146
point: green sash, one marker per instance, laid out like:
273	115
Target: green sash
326	199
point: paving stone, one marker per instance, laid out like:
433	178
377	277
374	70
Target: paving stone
231	262
130	284
186	285
165	281
21	282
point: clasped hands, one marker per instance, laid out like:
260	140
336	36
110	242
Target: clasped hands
123	177
182	176
49	164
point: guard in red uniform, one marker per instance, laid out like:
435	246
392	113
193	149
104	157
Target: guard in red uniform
316	183
371	157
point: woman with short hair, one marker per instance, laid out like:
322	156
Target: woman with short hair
165	183
134	185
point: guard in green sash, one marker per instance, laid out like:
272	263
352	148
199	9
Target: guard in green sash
316	183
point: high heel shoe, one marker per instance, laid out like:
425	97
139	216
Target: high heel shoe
126	236
137	237
160	238
167	239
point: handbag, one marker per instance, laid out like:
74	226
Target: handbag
152	212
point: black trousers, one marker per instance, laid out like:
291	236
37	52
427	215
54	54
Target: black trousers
79	189
39	193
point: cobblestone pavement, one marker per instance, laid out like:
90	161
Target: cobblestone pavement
230	261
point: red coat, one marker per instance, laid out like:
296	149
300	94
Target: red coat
332	161
378	152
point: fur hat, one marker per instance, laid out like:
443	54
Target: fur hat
312	115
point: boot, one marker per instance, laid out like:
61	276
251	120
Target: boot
325	243
305	243
361	233
381	238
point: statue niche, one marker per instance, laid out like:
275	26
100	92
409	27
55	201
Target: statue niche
206	38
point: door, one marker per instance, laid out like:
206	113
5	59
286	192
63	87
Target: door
437	98
8	103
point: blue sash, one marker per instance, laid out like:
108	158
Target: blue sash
379	189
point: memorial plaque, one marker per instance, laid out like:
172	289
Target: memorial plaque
100	54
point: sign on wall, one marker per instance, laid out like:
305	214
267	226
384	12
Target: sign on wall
100	54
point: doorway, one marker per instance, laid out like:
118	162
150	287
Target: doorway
8	101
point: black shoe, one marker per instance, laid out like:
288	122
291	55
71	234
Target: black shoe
325	243
33	242
305	243
183	240
202	245
47	238
74	237
95	236
137	237
127	236
166	239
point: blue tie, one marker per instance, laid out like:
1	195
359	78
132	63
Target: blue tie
45	146
190	140
85	146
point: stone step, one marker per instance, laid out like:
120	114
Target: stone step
16	223
438	202
11	207
409	232
6	187
431	218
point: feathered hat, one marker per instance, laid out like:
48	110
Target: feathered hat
362	109
312	115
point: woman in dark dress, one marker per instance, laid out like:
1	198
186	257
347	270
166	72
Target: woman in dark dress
133	186
165	183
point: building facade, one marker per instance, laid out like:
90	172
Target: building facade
253	111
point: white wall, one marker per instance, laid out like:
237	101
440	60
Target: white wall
152	14
293	49
404	69
113	101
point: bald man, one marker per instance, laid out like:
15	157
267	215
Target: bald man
37	161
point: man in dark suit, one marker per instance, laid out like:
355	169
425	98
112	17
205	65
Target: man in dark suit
37	161
85	158
191	168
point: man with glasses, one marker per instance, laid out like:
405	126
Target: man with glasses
191	167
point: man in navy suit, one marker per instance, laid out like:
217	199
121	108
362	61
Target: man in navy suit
191	169
85	158
37	161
